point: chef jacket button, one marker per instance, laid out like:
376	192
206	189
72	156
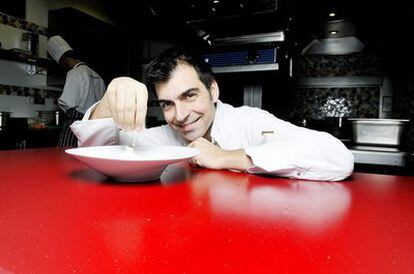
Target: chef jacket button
298	173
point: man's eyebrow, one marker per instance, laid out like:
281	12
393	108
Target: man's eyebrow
183	94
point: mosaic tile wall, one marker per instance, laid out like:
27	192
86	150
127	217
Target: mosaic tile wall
307	101
338	65
364	101
15	22
26	91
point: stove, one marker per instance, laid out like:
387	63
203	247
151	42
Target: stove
377	155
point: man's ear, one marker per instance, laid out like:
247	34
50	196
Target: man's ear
214	91
64	63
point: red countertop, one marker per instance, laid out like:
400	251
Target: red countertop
59	216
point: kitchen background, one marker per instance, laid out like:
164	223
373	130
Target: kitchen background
117	39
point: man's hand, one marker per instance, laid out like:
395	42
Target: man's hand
211	156
126	102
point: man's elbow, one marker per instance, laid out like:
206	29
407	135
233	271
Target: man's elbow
345	166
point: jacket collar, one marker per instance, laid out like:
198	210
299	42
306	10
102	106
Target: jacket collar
79	64
217	127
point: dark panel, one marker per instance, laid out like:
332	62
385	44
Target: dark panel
102	46
15	8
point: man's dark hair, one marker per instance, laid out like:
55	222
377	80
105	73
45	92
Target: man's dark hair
71	54
159	70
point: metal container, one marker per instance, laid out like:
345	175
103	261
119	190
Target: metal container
386	132
31	42
4	118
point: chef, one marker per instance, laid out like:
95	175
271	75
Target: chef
240	139
83	87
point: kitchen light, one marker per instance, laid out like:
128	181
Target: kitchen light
332	14
335	37
203	35
333	46
216	1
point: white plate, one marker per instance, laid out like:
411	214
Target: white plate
132	165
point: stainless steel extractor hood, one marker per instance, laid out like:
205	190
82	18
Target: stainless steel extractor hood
335	38
256	52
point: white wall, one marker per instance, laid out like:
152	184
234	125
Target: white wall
21	106
15	73
92	7
37	11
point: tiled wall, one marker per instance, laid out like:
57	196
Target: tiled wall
21	24
29	91
307	101
358	64
21	93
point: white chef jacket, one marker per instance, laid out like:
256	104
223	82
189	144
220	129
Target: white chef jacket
291	151
83	88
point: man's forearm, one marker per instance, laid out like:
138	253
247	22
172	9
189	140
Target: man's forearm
237	159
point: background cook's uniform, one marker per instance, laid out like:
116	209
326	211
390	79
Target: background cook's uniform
291	151
83	87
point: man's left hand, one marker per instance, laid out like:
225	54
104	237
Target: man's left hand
213	157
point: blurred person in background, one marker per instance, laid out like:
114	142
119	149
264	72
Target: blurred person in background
83	87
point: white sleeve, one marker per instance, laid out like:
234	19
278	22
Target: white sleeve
72	93
97	132
297	152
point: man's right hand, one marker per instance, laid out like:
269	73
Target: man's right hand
126	102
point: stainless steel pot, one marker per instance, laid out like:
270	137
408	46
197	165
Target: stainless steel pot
386	132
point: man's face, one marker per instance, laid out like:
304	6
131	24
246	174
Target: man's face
188	106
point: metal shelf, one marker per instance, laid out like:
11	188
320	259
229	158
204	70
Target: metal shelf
340	81
246	68
23	57
278	36
379	157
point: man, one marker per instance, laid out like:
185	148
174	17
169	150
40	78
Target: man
83	87
244	139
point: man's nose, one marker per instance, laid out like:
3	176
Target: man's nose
181	112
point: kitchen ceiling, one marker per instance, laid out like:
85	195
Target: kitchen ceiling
381	26
175	18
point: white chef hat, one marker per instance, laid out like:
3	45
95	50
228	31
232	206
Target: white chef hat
56	47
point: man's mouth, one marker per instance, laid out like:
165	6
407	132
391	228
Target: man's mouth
188	126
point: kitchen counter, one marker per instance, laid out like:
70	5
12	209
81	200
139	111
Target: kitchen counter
58	215
29	138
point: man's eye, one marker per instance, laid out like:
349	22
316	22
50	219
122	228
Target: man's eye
191	95
165	105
